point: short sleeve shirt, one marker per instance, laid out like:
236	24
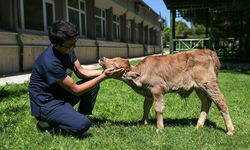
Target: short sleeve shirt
50	67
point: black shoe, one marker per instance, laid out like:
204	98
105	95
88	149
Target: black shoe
44	127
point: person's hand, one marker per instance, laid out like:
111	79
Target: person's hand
113	73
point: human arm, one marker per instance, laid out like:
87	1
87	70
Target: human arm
85	73
69	84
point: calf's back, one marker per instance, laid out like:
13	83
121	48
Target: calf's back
178	72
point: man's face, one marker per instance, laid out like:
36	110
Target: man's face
67	47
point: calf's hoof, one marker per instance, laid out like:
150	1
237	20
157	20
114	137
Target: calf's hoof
229	133
198	126
159	130
145	122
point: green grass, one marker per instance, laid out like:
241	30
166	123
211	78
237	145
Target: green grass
116	120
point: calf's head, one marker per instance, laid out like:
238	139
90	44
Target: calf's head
115	63
118	63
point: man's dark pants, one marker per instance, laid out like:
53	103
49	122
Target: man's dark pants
66	119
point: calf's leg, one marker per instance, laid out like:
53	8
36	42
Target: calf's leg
205	106
215	94
159	106
148	101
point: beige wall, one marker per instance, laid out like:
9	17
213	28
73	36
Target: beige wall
9	60
150	49
136	50
33	46
9	53
30	54
112	49
157	49
86	51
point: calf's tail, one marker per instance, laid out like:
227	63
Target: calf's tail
216	62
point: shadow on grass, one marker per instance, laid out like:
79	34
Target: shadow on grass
8	124
15	110
7	93
67	135
167	122
235	68
236	71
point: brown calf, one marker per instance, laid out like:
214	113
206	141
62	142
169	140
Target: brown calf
155	76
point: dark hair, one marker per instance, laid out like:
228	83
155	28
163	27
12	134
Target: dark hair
61	30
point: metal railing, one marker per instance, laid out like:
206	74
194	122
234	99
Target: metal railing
188	44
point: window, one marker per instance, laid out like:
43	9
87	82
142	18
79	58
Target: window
129	30
77	15
100	21
49	16
151	37
37	15
116	27
136	33
146	35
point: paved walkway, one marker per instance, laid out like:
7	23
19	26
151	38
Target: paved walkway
24	77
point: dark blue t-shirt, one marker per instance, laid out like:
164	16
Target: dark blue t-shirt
49	67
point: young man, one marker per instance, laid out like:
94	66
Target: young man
52	91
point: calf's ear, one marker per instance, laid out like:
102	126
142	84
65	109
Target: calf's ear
132	75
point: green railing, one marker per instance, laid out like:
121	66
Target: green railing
188	44
231	48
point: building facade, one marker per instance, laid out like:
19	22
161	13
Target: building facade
110	28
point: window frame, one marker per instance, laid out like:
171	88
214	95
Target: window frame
45	25
80	12
103	23
129	30
117	27
136	33
52	2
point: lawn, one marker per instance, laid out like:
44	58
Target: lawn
117	126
